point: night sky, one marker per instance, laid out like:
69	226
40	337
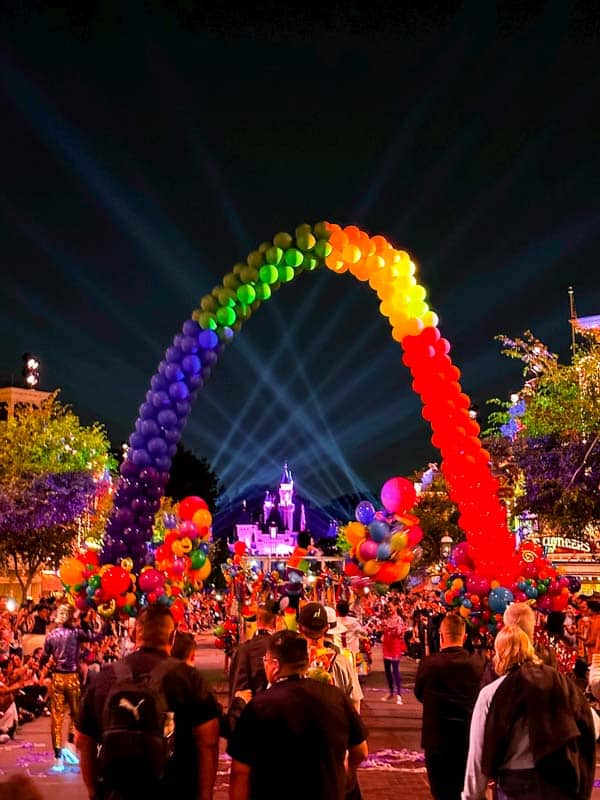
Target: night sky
148	146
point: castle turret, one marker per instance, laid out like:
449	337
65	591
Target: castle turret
286	498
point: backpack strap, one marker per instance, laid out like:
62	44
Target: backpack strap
164	666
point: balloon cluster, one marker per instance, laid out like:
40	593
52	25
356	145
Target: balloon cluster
226	635
384	543
180	566
145	470
483	601
512	427
465	463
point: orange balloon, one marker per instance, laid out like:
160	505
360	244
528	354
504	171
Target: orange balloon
355	532
202	518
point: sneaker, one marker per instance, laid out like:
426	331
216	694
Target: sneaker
58	765
4	738
399	700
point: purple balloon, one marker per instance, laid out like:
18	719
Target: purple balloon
367	550
149	475
173	372
191	328
128	469
178	390
137	440
167	418
147	410
172	436
191	365
158	382
206	370
160	400
139	504
145	520
174	354
208	340
163	463
182	409
149	428
157	446
189	344
123	518
140	457
195	382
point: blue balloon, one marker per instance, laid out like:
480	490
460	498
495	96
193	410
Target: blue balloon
531	592
169	521
379	530
499	598
364	512
384	551
208	340
191	365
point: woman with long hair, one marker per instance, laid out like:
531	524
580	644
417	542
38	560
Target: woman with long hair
532	730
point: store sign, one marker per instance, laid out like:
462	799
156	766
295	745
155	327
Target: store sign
561	544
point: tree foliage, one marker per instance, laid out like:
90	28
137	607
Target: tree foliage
557	449
191	475
437	515
48	466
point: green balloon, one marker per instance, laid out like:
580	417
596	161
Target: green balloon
226	297
322	248
274	255
305	241
286	273
94	581
249	275
263	291
226	316
310	262
207	320
246	294
321	232
255	259
197	557
231	281
208	303
283	240
268	274
294	257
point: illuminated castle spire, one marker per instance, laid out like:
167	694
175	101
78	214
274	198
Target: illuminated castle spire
286	498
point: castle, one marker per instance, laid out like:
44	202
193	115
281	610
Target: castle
276	531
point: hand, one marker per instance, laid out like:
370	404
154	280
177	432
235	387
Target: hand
244	694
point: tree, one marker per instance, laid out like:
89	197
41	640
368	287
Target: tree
551	454
49	465
437	515
191	475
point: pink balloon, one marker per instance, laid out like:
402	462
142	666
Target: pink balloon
398	495
188	528
150	580
368	550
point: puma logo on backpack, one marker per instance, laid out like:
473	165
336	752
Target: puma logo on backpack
137	727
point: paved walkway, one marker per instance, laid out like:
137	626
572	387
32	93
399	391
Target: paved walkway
394	769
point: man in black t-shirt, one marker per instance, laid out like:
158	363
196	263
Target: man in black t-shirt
292	739
191	772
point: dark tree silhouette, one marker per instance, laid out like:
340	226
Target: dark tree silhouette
191	475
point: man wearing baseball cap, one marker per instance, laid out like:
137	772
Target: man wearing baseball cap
314	625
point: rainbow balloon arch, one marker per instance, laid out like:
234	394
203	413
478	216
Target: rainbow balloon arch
193	354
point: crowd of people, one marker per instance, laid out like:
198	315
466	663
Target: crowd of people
508	711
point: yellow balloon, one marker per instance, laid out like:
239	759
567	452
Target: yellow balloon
399	541
204	570
186	544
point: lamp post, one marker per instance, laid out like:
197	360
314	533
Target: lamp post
445	546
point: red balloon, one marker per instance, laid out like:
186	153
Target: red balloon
177	610
239	548
189	505
219	644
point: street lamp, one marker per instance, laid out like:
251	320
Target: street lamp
446	546
31	370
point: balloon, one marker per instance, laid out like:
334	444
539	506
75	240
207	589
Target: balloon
189	505
71	571
371	567
378	530
239	548
351	569
399	541
367	550
383	551
150	579
398	495
364	512
202	518
115	581
205	570
197	558
574	584
355	532
499	598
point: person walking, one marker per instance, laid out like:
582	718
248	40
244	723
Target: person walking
393	645
189	711
447	684
532	730
61	649
247	670
300	738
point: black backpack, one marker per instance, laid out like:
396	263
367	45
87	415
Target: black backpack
137	728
